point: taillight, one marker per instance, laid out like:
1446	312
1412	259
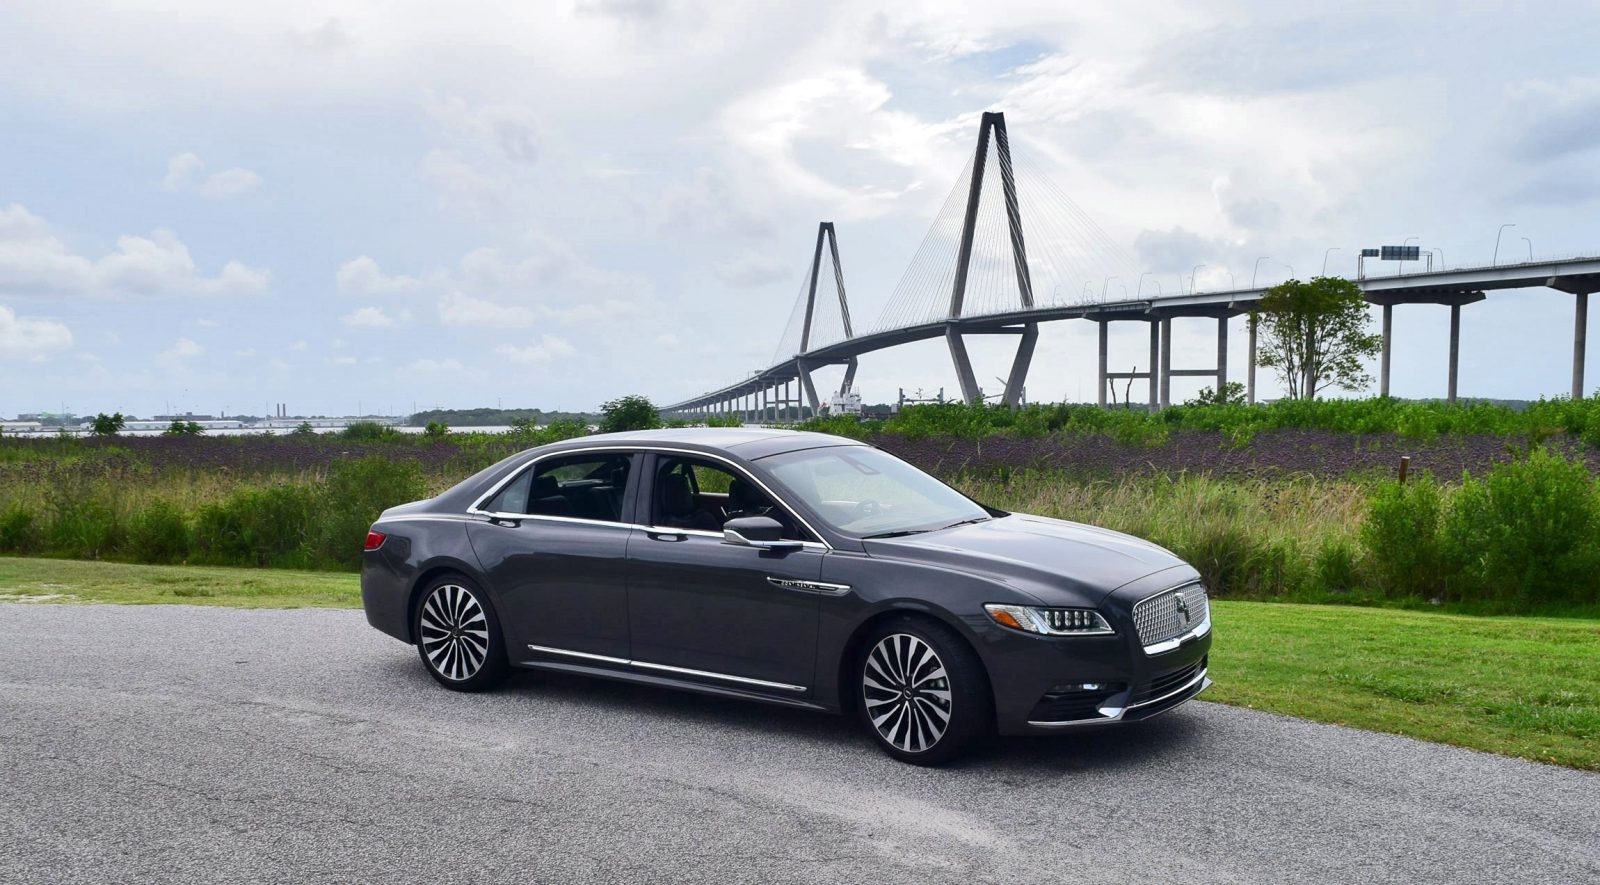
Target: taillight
375	540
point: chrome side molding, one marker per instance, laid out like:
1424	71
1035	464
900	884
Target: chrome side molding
646	665
820	587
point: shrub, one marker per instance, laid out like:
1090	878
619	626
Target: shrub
1525	534
19	530
369	431
262	525
1401	537
436	430
629	413
351	499
81	526
1336	567
159	533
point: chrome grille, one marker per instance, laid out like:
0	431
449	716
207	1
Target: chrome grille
1161	617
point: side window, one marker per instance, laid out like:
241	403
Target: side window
513	498
698	494
585	486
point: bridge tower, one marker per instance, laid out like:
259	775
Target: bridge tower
993	125
826	233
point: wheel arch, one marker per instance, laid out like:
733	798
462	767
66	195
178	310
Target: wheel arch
844	676
430	572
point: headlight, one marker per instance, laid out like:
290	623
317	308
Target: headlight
1049	621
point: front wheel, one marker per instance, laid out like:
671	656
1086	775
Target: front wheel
922	692
458	635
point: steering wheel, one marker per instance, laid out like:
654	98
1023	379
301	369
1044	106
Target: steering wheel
865	509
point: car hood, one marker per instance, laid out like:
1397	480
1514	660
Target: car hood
1056	561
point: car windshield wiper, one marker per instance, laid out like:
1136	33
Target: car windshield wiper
899	533
968	521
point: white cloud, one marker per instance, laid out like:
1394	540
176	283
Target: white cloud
30	337
461	309
430	366
176	358
548	349
229	182
186	174
374	318
299	346
35	261
344	360
362	276
752	269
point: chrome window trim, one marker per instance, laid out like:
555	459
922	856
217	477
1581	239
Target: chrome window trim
646	665
477	506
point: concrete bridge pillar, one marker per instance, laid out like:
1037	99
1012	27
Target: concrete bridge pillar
1388	340
1580	340
1155	361
1455	348
1250	365
1166	361
1100	389
1222	354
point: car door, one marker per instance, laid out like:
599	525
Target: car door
553	543
707	610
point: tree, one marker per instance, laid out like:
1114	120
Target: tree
107	425
1232	395
436	430
1314	335
629	413
183	428
304	429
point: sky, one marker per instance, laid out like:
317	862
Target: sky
382	207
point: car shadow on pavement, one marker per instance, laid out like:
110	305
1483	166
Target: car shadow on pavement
1103	748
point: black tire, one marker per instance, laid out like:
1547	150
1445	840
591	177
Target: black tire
458	635
915	714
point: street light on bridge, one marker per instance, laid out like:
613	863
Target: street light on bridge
1192	273
1497	241
1257	269
1530	248
1325	253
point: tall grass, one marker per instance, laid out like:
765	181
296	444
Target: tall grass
1249	538
1580	418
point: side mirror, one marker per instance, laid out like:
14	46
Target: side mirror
760	532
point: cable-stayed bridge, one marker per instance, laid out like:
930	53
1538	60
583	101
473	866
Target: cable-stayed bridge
1009	250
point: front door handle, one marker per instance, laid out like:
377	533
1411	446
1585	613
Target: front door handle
659	535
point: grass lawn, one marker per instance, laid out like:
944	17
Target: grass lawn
72	580
1519	686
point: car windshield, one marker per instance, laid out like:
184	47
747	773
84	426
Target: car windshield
861	491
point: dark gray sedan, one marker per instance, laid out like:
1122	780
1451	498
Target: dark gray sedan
792	568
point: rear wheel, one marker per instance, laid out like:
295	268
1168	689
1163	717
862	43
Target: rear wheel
922	692
458	635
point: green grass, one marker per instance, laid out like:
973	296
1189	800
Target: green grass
67	580
1518	686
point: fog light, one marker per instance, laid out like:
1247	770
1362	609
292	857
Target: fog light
1079	686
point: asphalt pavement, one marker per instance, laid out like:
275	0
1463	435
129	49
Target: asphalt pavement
187	744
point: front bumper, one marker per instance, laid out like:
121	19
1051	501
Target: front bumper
1051	684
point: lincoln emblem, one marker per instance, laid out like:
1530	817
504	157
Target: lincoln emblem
1183	606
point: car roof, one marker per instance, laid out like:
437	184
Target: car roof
745	442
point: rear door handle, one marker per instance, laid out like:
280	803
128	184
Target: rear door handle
666	536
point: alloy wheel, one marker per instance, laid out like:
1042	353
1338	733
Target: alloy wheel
906	692
455	632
